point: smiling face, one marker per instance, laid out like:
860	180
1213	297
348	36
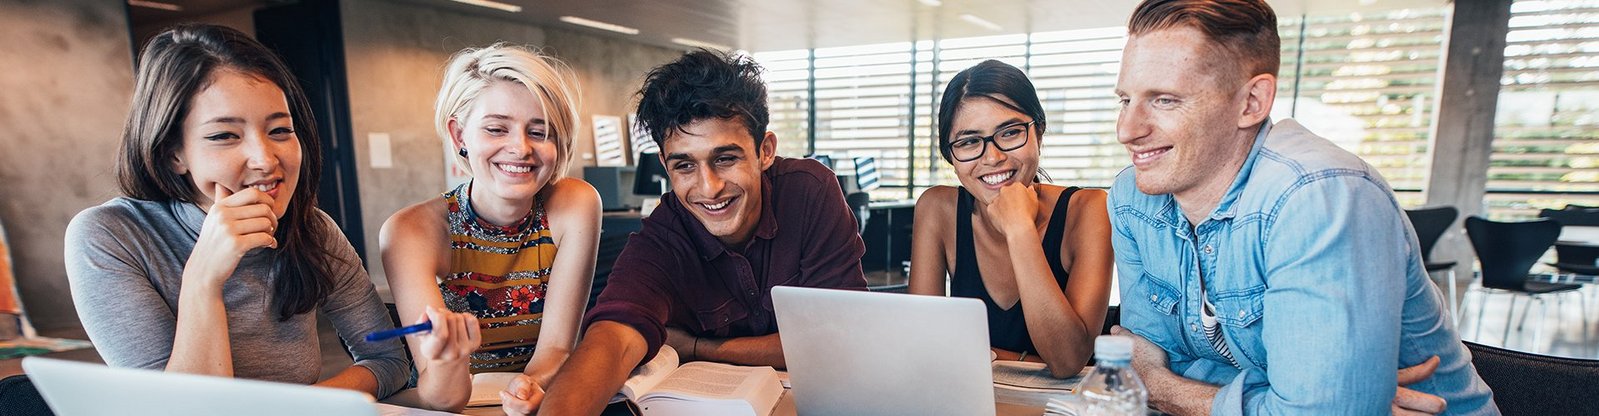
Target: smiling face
239	134
509	146
716	174
984	116
1181	106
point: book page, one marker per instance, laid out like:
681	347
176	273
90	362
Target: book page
706	388
385	409
646	376
702	380
1032	375
486	388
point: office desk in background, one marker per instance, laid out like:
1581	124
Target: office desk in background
615	227
888	244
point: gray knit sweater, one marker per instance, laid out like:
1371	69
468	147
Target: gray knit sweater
125	263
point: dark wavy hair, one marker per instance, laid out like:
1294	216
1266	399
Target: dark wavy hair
990	80
173	67
701	85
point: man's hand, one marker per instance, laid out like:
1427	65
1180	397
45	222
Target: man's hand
522	396
1148	359
685	343
1410	402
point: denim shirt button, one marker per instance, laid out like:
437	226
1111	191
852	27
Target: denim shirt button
1194	327
1209	249
1154	298
1241	313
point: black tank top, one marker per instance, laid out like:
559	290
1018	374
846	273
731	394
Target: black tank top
1006	328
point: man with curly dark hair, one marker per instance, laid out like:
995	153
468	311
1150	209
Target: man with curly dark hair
739	220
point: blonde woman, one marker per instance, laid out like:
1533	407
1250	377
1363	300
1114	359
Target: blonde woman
501	264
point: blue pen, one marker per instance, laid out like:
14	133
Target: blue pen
399	332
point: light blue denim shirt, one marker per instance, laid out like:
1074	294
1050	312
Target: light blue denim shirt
1315	277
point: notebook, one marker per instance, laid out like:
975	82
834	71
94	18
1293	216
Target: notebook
83	389
863	353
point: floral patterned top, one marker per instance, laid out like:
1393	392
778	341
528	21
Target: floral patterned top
498	273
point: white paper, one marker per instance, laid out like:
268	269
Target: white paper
378	148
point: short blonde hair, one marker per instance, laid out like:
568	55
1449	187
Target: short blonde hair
472	70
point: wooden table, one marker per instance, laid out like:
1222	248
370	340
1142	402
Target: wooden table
784	407
11	367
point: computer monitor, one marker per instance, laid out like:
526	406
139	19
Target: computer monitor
651	178
615	185
866	175
825	159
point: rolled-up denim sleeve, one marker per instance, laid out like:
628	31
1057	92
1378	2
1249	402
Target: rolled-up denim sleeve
1335	257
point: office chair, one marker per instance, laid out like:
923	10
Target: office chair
1507	251
1533	384
1431	224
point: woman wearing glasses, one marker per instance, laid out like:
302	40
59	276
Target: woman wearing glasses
1037	255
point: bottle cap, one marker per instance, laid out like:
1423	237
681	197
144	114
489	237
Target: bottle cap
1113	347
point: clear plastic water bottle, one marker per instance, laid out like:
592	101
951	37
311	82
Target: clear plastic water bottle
1113	388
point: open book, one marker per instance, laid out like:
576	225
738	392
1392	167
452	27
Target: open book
1029	383
663	388
486	388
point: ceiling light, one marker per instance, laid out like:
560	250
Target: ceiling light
155	5
700	44
599	25
492	5
973	19
932	3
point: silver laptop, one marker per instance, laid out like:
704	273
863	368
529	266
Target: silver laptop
83	389
862	353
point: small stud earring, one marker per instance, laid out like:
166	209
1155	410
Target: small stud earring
462	152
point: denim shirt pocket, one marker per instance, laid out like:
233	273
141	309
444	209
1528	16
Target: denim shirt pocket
1162	297
1152	312
1239	312
716	320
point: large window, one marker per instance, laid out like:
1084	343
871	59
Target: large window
1546	136
1366	81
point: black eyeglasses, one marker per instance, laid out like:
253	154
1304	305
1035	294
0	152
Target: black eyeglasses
1009	137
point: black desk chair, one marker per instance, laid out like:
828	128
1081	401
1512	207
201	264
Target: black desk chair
1577	258
1430	225
858	204
1532	384
1573	215
1507	251
18	397
1113	317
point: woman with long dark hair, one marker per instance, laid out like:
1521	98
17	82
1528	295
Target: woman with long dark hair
216	260
1015	241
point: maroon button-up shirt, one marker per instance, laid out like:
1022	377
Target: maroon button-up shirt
675	273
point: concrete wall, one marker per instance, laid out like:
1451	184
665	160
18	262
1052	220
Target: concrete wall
242	19
395	54
67	83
